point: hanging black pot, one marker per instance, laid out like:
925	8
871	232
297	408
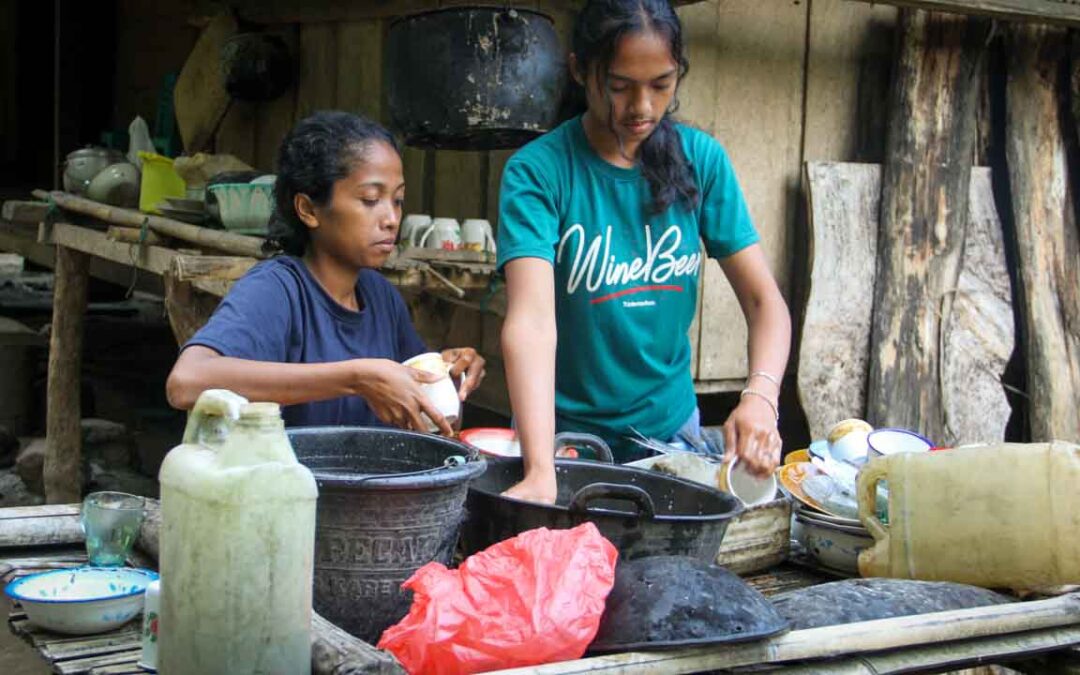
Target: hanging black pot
257	67
473	78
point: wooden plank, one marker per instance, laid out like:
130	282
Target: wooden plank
317	83
924	214
59	651
978	336
236	134
1063	12
154	259
834	353
24	213
199	97
745	86
120	669
832	641
77	666
415	165
848	58
360	68
63	435
335	651
461	179
950	655
274	119
41	530
1046	239
42	511
187	309
497	160
19	240
289	11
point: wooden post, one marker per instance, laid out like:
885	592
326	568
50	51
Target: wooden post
924	214
1046	237
63	435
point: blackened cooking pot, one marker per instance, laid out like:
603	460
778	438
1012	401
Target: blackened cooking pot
473	78
643	513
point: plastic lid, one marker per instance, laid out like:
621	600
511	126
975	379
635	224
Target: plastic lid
261	410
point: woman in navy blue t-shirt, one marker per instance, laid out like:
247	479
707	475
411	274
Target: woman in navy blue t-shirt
319	330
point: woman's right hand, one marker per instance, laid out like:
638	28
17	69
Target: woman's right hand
538	486
394	394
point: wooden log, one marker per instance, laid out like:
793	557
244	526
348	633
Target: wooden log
40	526
133	235
924	212
63	434
1046	238
978	337
227	242
834	353
24	213
832	641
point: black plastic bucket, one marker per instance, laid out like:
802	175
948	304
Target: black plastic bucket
389	503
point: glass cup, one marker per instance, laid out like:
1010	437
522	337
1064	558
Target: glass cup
111	522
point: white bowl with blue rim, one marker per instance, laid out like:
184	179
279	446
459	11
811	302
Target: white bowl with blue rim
83	600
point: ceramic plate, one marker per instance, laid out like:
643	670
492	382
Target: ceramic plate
791	477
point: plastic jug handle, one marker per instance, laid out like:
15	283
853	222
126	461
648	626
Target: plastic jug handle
872	473
213	407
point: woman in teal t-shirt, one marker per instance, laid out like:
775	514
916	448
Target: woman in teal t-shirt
600	229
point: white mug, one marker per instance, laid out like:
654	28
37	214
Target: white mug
442	393
751	490
476	235
413	225
444	233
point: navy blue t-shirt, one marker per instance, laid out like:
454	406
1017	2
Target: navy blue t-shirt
279	312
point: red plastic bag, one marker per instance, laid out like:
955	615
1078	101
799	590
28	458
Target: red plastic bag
535	598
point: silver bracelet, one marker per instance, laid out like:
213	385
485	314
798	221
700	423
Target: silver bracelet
768	376
754	392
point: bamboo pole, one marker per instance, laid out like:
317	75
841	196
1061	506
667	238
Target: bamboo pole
227	242
832	641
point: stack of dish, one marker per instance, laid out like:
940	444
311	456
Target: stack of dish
185	210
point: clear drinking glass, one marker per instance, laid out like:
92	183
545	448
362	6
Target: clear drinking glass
111	522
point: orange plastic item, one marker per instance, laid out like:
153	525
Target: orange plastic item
531	599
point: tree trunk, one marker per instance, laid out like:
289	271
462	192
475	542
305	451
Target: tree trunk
924	214
63	434
1046	238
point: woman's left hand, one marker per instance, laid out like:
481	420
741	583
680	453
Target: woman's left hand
751	432
465	360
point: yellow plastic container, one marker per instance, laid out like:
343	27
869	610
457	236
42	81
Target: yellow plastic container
237	544
159	180
998	516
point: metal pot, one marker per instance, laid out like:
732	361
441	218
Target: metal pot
257	67
642	513
82	165
473	78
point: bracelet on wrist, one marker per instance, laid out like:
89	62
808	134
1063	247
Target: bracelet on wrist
764	397
766	375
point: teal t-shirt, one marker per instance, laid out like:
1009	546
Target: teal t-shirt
626	281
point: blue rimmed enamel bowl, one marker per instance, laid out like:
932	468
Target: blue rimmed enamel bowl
83	600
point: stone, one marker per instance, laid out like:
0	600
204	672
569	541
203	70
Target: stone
14	492
9	448
120	480
30	465
108	442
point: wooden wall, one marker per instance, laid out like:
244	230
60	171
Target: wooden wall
778	83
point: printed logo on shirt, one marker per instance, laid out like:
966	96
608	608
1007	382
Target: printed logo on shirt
595	265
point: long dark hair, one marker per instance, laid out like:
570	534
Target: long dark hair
319	151
599	27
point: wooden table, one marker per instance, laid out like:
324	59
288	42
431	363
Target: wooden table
193	268
925	643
